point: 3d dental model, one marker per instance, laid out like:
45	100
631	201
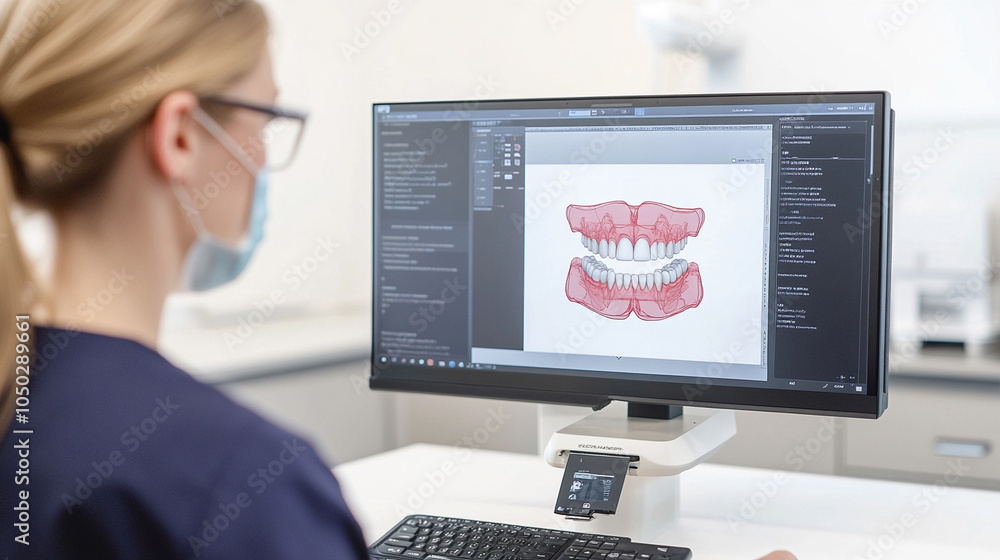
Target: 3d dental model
647	232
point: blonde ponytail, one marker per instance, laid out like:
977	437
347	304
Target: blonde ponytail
77	78
16	290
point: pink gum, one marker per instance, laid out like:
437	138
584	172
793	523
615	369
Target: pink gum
655	221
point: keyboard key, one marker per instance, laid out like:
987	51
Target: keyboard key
389	549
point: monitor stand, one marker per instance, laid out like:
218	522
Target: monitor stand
666	442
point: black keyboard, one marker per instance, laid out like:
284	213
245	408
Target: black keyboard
443	538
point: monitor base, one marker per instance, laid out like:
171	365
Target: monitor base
664	448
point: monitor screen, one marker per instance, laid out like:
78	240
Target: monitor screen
714	250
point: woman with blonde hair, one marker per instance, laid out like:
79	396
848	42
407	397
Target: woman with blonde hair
114	116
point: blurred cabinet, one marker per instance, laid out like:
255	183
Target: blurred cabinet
934	430
942	426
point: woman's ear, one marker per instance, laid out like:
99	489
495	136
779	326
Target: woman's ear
172	139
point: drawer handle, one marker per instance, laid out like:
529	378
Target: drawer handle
964	449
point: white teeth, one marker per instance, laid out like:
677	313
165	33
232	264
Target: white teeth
624	249
641	251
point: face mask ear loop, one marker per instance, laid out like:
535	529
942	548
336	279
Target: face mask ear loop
213	128
193	216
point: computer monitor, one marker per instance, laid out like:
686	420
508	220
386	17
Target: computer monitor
724	251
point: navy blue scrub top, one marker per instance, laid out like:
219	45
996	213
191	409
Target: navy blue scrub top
132	458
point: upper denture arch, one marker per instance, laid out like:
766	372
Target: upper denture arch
648	231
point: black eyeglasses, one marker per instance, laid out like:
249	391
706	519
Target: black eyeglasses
281	135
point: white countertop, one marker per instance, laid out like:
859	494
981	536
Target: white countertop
814	516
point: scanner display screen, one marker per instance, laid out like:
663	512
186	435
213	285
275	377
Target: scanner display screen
591	484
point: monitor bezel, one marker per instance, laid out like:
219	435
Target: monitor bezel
564	386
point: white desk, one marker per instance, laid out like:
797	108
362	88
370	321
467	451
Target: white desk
815	516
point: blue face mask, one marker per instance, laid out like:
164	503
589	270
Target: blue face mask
212	262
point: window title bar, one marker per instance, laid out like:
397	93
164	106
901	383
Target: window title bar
463	112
